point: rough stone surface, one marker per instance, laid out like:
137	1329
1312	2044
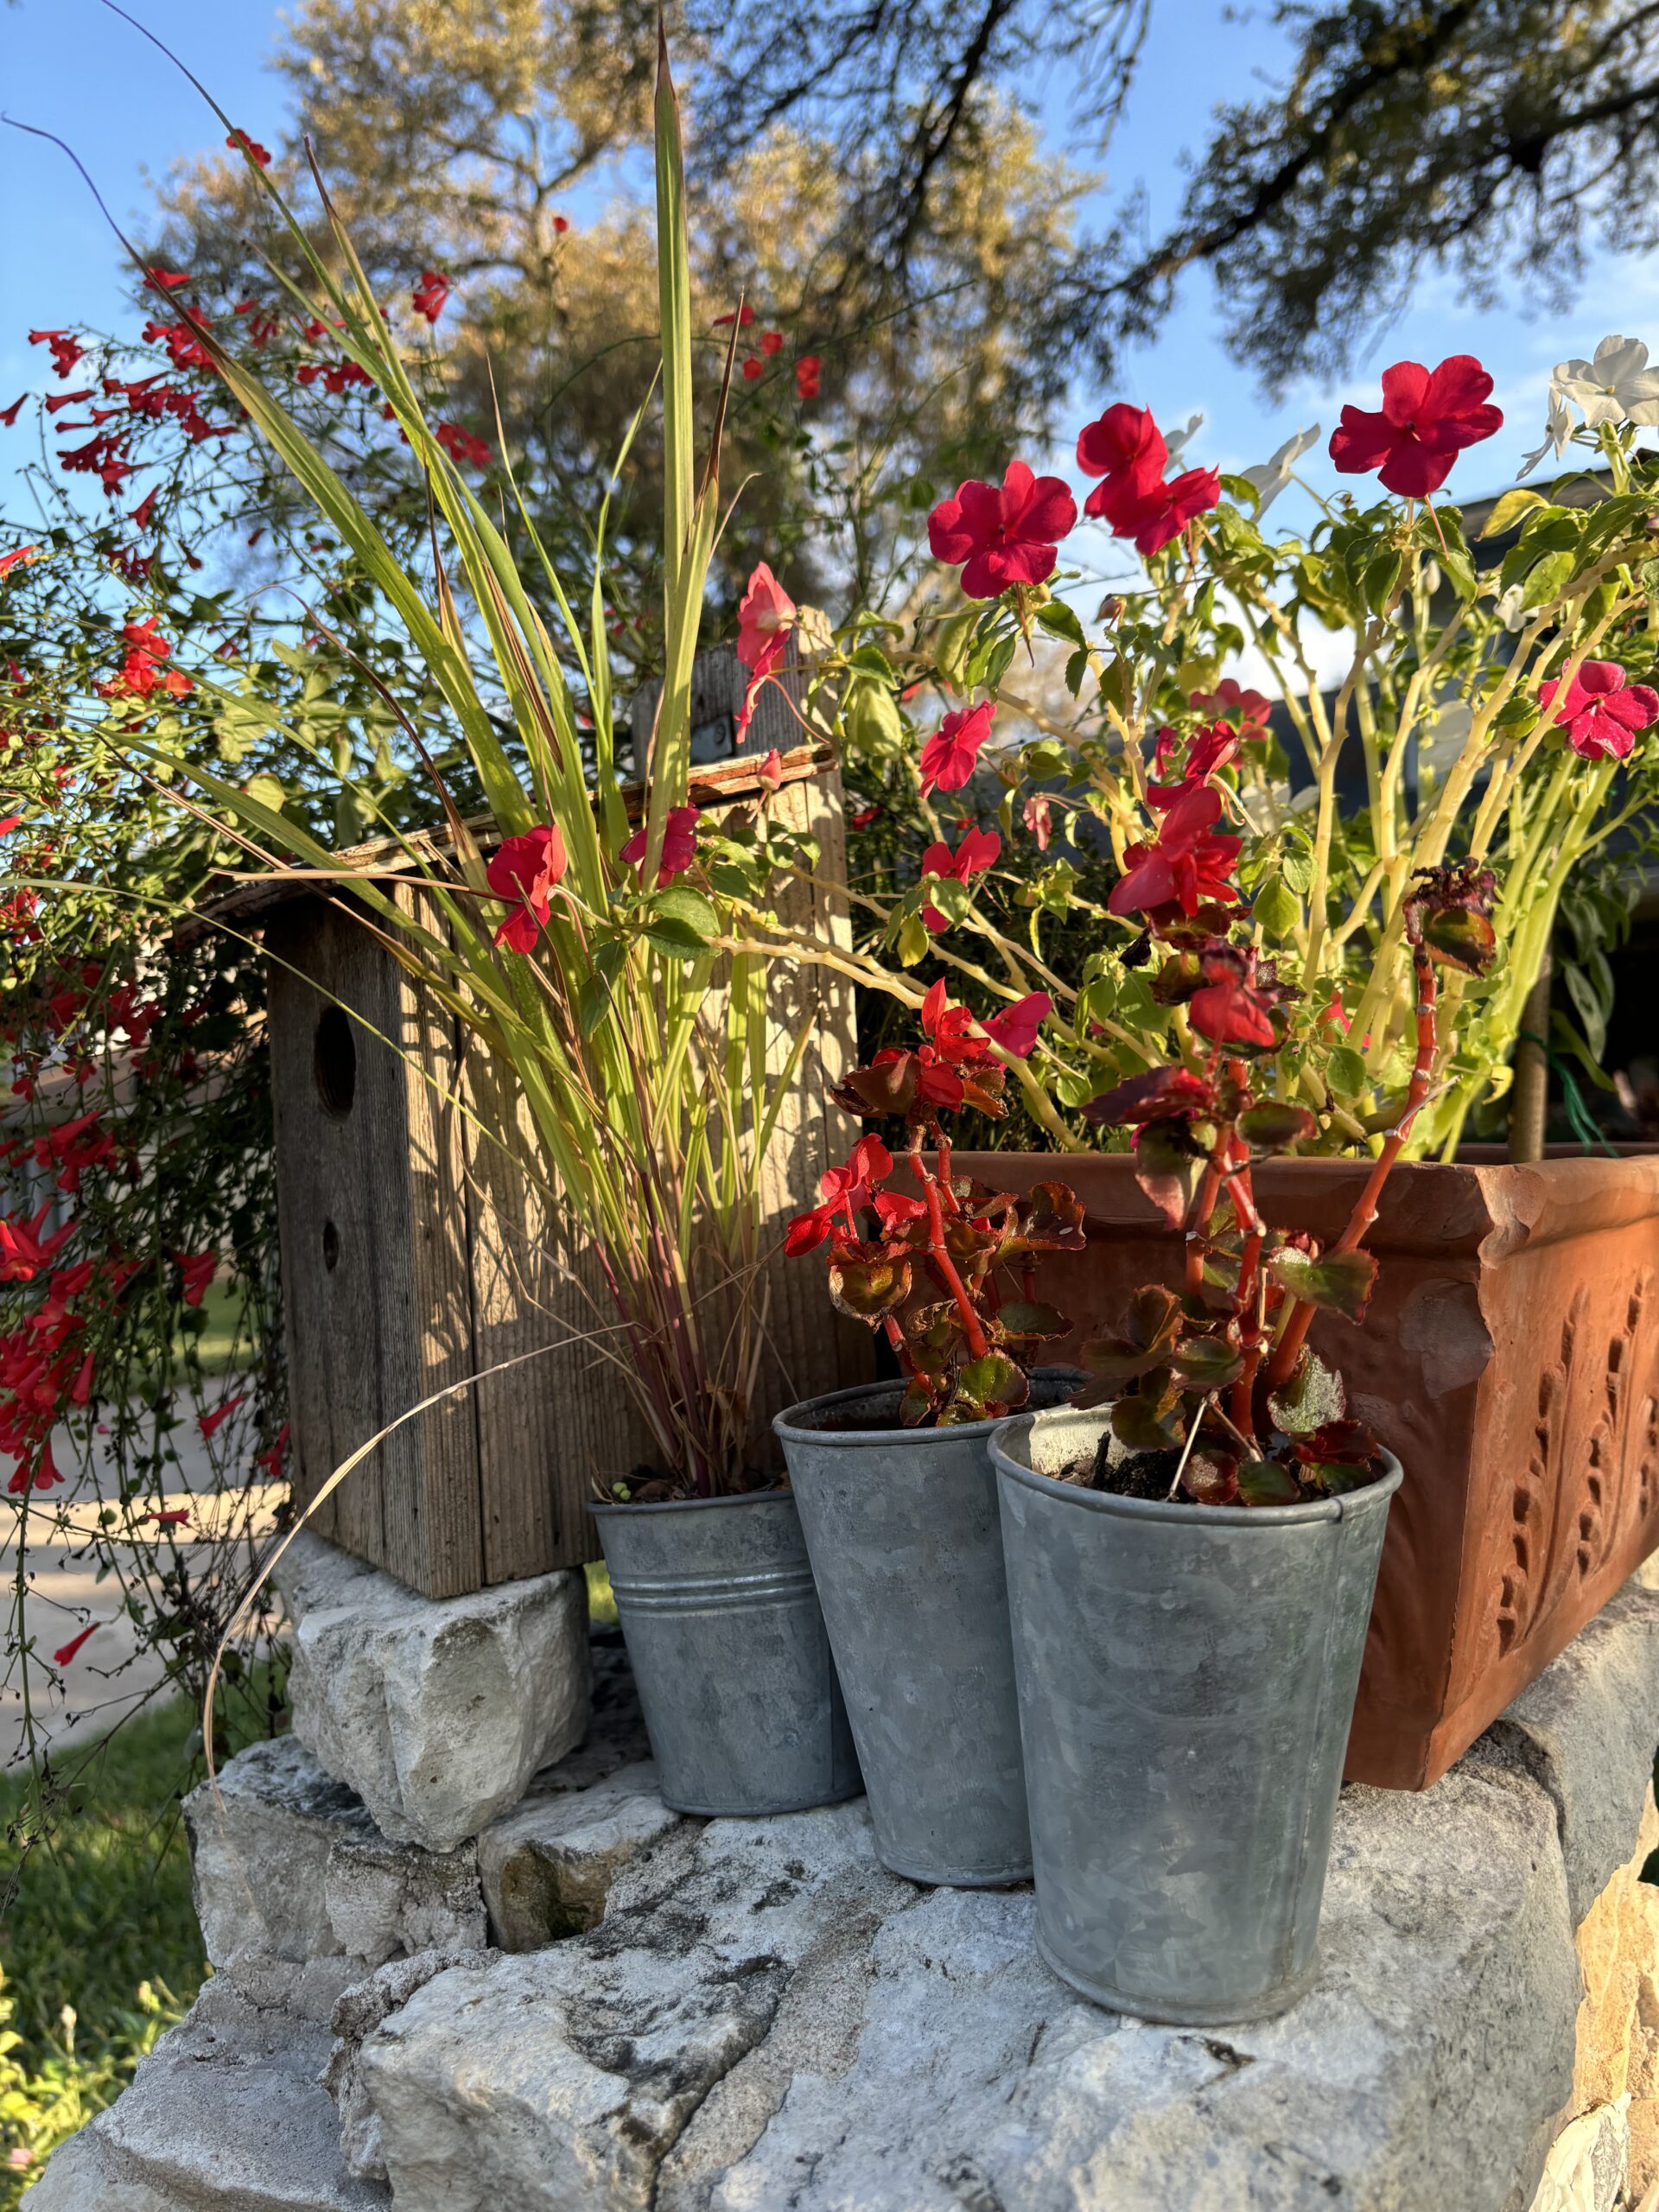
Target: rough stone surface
1587	1729
436	1712
548	1866
289	1866
1588	2166
358	2012
226	2115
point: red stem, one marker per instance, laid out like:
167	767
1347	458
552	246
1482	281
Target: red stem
971	1331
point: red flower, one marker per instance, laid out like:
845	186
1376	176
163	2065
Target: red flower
18	557
1212	749
560	226
210	1424
66	1652
1425	422
8	415
1247	710
806	377
197	1270
977	851
165	280
1186	866
461	445
525	871
1152	517
179	1520
950	1030
1124	444
1601	711
949	756
772	341
679	845
240	143
430	293
81	1389
1005	536
65	349
1015	1027
753	370
141	513
764	622
841	1190
1235	1004
742	317
865	815
770	770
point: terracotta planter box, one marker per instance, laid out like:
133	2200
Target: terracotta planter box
1511	1362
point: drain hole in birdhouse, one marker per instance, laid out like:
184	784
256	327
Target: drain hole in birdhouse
330	1246
334	1062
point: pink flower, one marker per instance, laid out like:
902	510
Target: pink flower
1015	1027
949	756
1036	815
771	771
679	845
1005	536
525	871
765	619
1425	422
977	851
1602	712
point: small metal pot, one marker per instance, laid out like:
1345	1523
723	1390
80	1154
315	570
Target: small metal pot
901	1525
1187	1680
721	1621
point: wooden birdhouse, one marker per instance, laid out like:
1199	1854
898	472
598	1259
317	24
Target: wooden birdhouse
415	1254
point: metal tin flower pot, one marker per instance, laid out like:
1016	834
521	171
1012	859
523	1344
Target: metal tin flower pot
721	1621
901	1524
1187	1680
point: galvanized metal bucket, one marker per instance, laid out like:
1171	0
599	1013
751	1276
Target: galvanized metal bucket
901	1525
1187	1680
721	1621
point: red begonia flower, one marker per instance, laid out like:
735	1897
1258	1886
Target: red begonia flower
1005	536
1424	422
977	851
949	756
1124	443
1247	710
1152	516
66	1652
1601	710
765	619
841	1191
240	143
526	871
806	377
679	845
430	293
1187	865
1015	1027
1235	1005
951	1031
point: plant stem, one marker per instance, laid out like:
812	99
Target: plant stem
972	1332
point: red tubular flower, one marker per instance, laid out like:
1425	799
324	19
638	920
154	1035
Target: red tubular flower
180	1519
526	871
753	370
863	818
1004	536
1425	422
772	341
951	754
1186	866
461	446
560	224
197	1270
19	558
977	851
66	1652
271	1458
806	377
765	619
210	1424
679	845
65	349
8	415
1015	1028
1601	710
240	143
430	293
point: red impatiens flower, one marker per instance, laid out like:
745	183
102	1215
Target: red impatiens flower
1247	710
1015	1028
1209	751
1127	450
1425	422
841	1191
526	871
1124	444
65	350
1186	866
977	851
806	377
765	619
679	845
1005	536
430	293
950	755
1601	710
1235	1005
240	143
66	1652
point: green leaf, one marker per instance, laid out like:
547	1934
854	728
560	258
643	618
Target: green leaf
913	941
1345	1070
1061	621
1075	669
873	724
1206	1364
1264	1482
680	922
868	1290
1587	1006
951	648
1211	1477
1143	1424
1313	1397
1028	1320
1509	511
1277	909
1338	1282
1381	580
996	1380
1547	580
1272	1124
267	790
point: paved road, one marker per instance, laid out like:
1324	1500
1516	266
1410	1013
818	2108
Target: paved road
108	1675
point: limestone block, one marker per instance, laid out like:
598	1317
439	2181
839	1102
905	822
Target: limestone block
225	2115
548	1866
436	1712
1588	2166
288	1866
358	2012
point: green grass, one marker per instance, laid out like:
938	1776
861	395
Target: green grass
99	1948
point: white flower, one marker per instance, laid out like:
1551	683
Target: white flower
1271	477
1511	609
1177	440
1558	428
1618	386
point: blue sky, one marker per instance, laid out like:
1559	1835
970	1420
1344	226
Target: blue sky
71	66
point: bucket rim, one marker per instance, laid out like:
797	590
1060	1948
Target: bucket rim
599	1507
1190	1515
789	1430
